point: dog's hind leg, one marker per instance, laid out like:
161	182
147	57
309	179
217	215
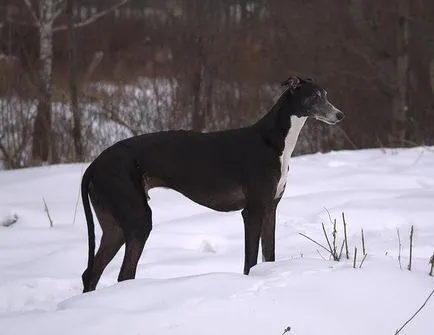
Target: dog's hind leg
140	225
122	195
111	241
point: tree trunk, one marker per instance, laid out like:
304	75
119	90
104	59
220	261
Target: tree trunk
400	99
431	75
42	133
198	115
73	92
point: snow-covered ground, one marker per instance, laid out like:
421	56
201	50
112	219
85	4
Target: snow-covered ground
189	279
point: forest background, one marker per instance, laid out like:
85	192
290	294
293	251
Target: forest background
78	75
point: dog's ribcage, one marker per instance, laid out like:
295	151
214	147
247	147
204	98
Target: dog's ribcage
290	142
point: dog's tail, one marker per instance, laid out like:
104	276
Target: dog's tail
89	218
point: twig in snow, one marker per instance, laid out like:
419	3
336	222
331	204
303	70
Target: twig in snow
328	242
287	329
334	252
75	208
328	213
320	254
400	247
361	263
432	265
411	248
318	244
363	243
412	317
48	213
355	257
345	235
335	232
332	244
342	249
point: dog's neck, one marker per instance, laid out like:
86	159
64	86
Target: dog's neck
290	142
297	124
281	127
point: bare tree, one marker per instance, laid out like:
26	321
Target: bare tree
73	92
44	15
49	10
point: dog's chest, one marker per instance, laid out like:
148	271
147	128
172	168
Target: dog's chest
290	142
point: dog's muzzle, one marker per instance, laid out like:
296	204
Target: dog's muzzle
328	113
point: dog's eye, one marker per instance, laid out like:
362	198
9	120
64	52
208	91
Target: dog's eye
312	99
315	98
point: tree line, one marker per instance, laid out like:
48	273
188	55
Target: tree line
77	75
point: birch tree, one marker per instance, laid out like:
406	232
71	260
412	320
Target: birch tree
73	91
44	14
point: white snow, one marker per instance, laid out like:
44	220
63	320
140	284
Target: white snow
189	279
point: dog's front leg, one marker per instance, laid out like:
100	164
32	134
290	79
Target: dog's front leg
253	217
268	233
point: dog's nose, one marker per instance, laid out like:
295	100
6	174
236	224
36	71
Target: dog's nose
340	116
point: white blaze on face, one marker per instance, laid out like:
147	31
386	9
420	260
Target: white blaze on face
290	141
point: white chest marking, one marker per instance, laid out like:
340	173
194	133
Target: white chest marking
290	141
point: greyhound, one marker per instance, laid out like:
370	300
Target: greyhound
240	169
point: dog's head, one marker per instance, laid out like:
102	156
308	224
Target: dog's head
311	100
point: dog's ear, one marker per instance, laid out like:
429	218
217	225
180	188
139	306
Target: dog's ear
292	82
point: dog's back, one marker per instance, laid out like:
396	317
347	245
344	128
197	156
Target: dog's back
198	164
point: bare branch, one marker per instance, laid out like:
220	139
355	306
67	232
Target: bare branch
355	257
378	68
115	118
92	18
328	213
32	11
48	213
345	234
61	5
328	242
411	248
363	259
399	248
420	308
342	249
321	255
22	23
334	233
318	244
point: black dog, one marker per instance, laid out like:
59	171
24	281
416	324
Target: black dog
226	170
